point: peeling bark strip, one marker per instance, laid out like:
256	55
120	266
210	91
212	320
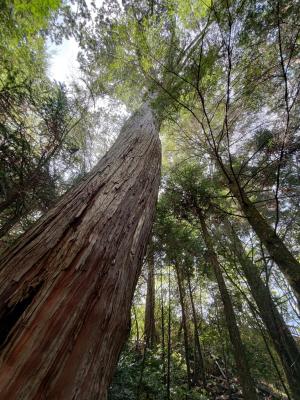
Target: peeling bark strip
85	257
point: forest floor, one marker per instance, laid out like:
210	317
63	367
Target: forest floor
223	387
222	384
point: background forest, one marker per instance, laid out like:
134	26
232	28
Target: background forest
215	314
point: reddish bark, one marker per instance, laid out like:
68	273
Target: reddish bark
67	285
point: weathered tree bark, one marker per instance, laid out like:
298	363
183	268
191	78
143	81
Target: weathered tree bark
238	349
278	251
184	325
199	370
283	341
150	329
67	285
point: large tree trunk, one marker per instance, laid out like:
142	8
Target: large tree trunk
234	333
67	285
282	339
150	329
278	251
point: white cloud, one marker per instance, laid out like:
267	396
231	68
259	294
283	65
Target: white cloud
63	65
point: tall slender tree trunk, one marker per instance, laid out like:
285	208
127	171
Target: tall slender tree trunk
150	329
184	325
269	350
234	333
278	251
136	323
169	341
283	341
163	356
67	284
199	370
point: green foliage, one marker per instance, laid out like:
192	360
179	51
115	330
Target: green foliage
190	12
135	375
128	375
261	364
21	39
36	136
223	76
39	147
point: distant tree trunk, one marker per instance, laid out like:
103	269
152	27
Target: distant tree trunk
66	286
136	326
234	333
150	329
278	251
184	325
169	341
265	338
284	343
199	370
163	356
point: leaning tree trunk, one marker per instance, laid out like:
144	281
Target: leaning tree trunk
243	371
278	251
284	343
67	285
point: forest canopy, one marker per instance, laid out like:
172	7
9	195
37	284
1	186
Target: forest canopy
149	207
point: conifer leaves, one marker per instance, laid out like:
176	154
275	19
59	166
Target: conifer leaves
190	12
